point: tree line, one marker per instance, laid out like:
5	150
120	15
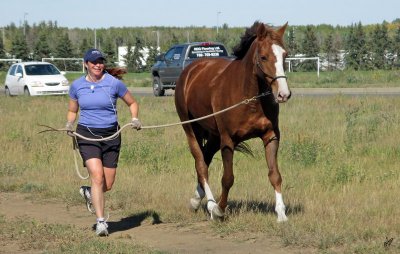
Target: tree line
357	46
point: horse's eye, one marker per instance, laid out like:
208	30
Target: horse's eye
264	58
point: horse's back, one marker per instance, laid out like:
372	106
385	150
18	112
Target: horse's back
201	70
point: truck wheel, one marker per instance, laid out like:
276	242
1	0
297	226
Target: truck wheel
157	87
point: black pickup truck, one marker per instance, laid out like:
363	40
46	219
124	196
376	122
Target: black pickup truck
169	65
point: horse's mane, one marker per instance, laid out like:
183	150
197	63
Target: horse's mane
116	72
249	36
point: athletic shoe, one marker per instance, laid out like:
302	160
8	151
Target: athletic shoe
85	193
101	228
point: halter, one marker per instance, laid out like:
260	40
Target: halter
266	74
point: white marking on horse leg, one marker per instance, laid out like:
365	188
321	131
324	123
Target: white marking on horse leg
198	196
280	207
212	206
283	88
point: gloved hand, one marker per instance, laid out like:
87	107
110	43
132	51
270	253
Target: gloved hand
70	128
136	124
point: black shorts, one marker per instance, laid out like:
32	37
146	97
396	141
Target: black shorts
106	151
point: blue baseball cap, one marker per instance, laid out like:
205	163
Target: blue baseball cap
92	55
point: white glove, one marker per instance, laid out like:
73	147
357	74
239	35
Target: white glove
70	129
136	124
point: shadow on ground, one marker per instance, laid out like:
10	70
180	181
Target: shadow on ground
132	221
235	207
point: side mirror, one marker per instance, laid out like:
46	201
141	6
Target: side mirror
63	72
160	57
18	74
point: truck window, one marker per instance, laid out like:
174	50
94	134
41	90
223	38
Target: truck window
211	50
174	53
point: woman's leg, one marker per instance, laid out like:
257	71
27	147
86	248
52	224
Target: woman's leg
109	176
97	177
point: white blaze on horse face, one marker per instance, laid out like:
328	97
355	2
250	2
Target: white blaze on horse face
283	89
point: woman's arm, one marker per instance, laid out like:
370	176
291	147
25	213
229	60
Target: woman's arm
134	109
132	104
73	107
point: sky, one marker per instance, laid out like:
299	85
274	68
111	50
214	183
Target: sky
208	13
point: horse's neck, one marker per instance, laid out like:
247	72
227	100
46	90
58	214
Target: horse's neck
251	86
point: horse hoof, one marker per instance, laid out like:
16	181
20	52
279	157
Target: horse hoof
282	219
217	213
195	203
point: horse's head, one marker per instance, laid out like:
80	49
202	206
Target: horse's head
269	57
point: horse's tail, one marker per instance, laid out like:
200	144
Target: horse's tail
116	72
244	148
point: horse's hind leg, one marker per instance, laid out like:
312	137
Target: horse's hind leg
271	153
209	150
202	156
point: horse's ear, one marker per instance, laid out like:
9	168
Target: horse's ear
261	31
281	30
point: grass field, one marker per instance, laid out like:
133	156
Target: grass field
339	158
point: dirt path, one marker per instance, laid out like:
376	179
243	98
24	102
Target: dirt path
168	237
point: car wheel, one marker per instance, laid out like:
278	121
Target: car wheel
7	92
157	87
26	92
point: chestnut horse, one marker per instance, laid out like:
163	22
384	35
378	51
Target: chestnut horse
209	85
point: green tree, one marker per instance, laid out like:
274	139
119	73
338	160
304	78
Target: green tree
129	59
379	47
396	48
356	48
110	52
331	48
137	56
3	66
64	49
19	48
151	58
310	48
83	47
42	48
291	42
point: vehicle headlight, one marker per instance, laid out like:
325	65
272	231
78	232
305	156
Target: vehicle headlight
64	83
36	84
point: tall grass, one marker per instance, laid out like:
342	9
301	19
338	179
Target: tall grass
339	160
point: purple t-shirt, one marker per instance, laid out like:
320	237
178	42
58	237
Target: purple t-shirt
97	101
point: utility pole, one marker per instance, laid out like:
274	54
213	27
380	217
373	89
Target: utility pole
3	36
218	13
25	14
95	38
158	39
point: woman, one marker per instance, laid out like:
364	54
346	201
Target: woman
96	94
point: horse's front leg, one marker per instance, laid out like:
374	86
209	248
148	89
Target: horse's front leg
227	177
271	144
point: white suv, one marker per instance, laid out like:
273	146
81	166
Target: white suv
35	78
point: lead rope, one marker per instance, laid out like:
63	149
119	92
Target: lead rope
75	134
75	151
